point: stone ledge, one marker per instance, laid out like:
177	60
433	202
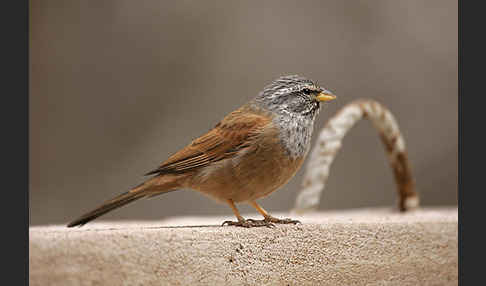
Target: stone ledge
353	247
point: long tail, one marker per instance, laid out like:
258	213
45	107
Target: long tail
141	191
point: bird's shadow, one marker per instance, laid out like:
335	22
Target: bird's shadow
154	227
183	226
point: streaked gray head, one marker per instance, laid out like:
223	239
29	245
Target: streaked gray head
294	94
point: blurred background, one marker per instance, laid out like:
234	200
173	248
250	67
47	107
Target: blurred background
118	86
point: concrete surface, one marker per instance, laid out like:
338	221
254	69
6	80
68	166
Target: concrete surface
356	247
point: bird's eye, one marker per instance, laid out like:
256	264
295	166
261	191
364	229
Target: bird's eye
307	91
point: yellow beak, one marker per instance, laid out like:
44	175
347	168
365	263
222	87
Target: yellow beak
325	96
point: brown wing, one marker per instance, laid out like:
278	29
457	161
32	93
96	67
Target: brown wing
234	133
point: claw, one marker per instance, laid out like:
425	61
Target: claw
282	221
249	223
227	222
261	222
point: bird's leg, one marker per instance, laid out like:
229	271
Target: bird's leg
271	219
242	221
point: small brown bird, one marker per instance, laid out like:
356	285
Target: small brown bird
252	152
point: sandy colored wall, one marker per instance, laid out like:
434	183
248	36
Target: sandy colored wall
353	247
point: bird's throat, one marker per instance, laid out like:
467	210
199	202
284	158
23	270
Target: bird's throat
295	132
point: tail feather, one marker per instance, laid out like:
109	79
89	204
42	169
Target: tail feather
152	187
108	206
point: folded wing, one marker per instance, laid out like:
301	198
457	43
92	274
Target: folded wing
233	134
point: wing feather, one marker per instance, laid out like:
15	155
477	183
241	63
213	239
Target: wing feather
234	133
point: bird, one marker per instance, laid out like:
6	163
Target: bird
250	153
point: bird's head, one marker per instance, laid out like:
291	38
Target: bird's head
294	94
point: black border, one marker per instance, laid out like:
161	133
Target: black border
471	155
15	144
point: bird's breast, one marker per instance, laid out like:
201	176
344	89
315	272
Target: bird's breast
253	173
295	133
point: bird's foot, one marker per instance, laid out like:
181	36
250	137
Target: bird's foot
272	219
249	223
